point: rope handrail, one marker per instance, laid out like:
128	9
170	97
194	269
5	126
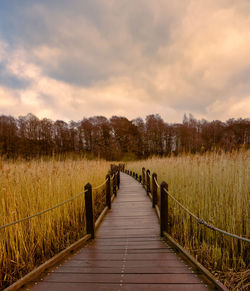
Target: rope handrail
201	221
97	187
48	209
156	183
42	212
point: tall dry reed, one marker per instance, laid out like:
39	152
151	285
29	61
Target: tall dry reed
216	188
29	187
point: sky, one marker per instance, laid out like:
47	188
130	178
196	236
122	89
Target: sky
67	60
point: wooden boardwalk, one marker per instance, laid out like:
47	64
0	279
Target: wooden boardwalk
127	254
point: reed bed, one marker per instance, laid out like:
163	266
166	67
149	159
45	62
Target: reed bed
216	188
30	187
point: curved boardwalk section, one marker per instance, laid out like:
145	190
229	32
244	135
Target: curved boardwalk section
127	254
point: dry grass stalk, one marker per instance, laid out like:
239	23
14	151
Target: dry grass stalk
216	188
30	187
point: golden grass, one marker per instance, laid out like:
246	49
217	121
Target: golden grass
30	187
216	188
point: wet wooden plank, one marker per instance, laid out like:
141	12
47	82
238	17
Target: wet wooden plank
127	254
135	244
129	251
74	286
182	278
119	263
65	286
88	256
129	270
164	287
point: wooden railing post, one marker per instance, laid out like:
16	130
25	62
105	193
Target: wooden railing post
121	167
89	210
143	176
140	178
112	169
164	208
148	181
118	179
154	190
108	194
114	184
136	176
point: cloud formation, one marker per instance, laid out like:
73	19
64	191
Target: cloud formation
69	59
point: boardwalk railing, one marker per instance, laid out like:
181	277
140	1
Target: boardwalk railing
179	223
97	201
112	182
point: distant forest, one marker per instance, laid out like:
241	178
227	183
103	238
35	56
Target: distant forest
118	138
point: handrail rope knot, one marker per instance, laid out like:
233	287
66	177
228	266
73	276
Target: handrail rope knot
201	221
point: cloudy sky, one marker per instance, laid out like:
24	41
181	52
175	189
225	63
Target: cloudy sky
68	59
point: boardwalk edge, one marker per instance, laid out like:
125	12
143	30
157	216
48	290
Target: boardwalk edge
205	271
48	264
191	258
103	213
58	257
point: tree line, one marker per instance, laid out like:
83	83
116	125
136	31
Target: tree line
118	138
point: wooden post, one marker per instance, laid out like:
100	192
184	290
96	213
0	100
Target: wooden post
148	181
121	167
89	210
114	185
140	178
154	190
108	196
118	179
112	169
136	176
143	176
164	208
130	173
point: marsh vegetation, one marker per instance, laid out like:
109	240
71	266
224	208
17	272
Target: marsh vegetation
216	188
30	187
